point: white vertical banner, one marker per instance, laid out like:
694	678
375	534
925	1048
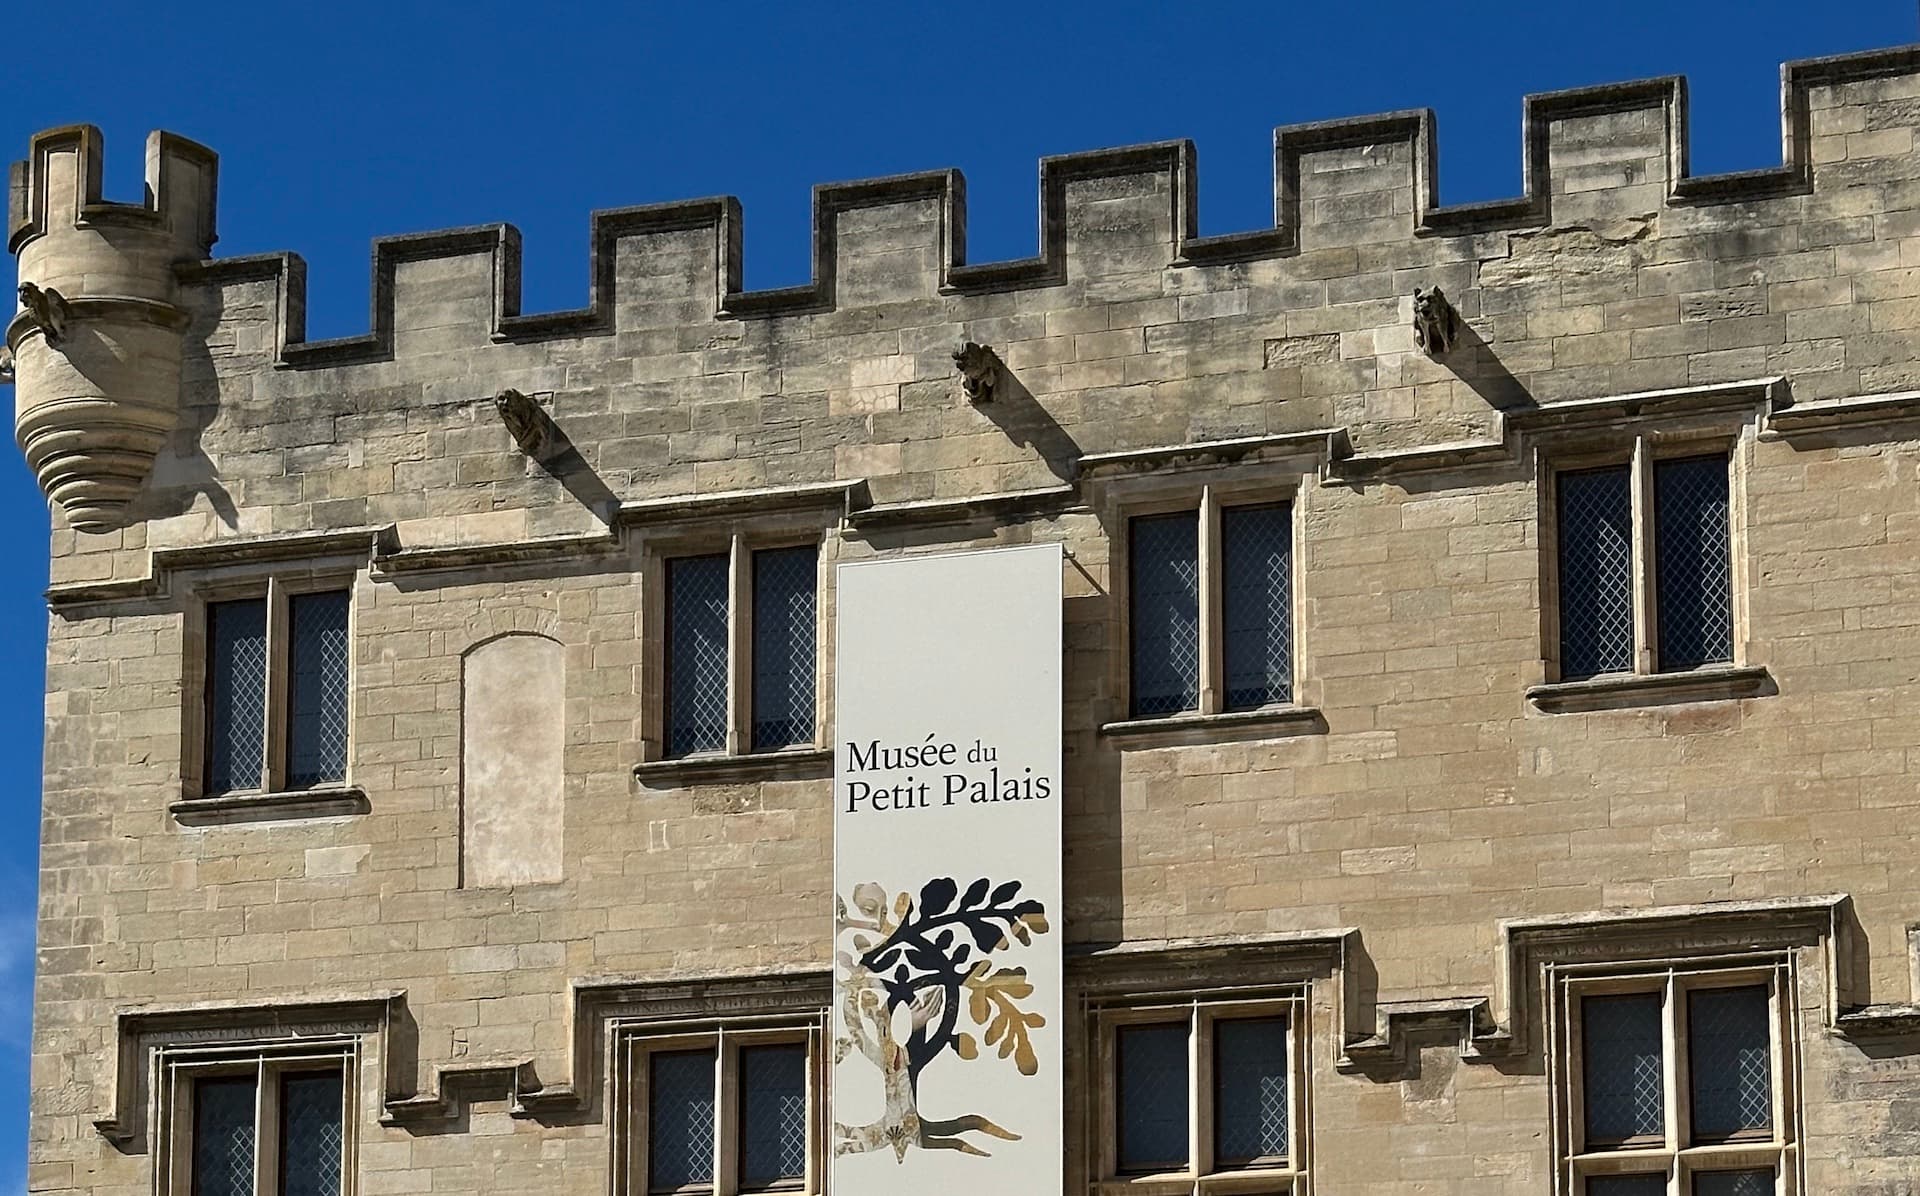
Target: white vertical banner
946	1052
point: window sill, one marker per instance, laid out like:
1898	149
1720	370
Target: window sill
1181	1183
1269	722
1716	683
787	764
329	801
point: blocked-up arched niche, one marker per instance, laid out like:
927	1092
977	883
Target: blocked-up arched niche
512	737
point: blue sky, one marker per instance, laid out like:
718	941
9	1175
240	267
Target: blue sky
346	120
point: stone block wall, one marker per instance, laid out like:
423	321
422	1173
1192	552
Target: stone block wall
1427	800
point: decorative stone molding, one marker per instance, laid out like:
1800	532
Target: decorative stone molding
379	1021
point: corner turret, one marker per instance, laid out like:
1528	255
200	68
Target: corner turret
98	335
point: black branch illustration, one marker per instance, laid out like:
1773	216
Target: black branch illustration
933	957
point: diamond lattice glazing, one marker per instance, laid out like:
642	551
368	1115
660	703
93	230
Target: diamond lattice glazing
773	1114
1730	1060
783	646
236	694
1733	1183
1152	1062
1627	1185
1692	563
696	654
317	693
1596	572
312	1137
1624	1089
1256	544
1249	1091
1165	613
680	1110
223	1137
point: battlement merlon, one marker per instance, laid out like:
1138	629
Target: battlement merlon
58	186
1371	183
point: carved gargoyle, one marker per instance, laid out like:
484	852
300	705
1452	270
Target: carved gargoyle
526	423
979	371
1435	323
48	310
6	366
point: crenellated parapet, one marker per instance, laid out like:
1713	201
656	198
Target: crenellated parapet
97	398
98	338
1587	153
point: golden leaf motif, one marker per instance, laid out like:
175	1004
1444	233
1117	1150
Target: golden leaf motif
993	1002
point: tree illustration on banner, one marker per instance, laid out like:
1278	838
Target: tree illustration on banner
915	965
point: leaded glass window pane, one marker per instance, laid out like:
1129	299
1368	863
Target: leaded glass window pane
1733	1183
1693	568
773	1114
1152	1094
1249	1091
783	646
317	689
236	694
1165	613
312	1136
1596	572
1621	1067
680	1124
1729	1061
1256	544
697	654
223	1133
1627	1185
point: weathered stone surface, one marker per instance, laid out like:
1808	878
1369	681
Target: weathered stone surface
1428	800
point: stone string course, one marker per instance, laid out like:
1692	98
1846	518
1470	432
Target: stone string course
1431	803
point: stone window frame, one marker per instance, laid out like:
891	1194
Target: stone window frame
739	539
1575	1163
273	798
1207	492
1639	446
1203	1007
177	1066
632	1043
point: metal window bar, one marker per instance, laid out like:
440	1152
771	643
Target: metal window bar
312	1133
1648	1184
1256	547
772	1115
1693	562
318	653
1151	1090
680	1109
784	581
236	694
224	1136
1622	1069
697	602
1250	1109
1730	1062
1595	534
1748	1182
1164	593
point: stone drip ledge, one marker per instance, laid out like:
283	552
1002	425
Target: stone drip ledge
1377	1036
1501	1027
1064	192
379	545
1768	401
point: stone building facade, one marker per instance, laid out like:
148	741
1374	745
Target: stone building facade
1565	839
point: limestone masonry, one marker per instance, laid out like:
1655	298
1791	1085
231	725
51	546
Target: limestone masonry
366	762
